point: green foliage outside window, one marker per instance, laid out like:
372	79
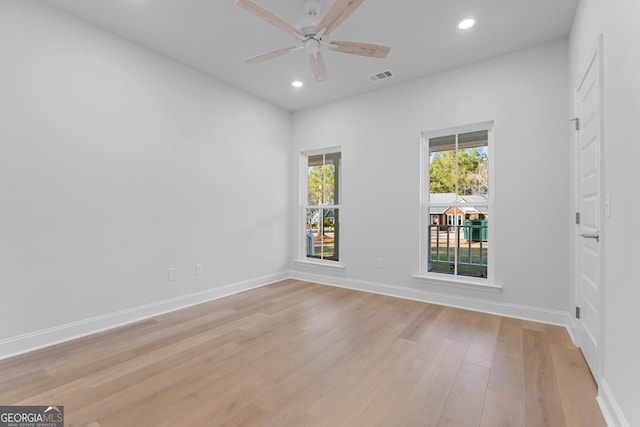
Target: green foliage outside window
473	172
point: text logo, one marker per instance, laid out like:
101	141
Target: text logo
32	416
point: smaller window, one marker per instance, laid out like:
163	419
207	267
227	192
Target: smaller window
321	207
449	219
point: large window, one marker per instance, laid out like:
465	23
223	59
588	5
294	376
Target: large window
321	206
456	202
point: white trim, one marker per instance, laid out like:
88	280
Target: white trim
330	265
326	207
571	329
459	129
611	411
327	150
552	317
458	282
14	346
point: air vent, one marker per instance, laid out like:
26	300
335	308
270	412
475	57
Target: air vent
383	75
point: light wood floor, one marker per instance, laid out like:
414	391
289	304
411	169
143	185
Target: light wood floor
300	354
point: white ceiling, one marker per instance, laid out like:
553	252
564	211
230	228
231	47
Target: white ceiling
216	36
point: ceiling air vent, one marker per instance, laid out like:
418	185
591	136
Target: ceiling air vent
381	76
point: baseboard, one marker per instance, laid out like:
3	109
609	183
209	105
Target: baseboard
553	317
44	338
609	406
39	339
571	329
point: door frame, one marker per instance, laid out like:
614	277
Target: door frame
595	59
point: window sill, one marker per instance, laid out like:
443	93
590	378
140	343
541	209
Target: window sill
457	282
330	265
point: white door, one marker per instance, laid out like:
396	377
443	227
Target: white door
588	187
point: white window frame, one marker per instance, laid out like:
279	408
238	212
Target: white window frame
303	206
424	276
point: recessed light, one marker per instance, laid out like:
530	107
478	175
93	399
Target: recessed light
297	83
467	23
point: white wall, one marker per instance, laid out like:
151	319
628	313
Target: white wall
616	20
116	164
525	93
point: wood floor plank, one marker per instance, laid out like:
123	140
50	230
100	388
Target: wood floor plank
300	354
436	336
466	400
392	392
502	410
542	400
510	338
507	376
429	397
422	322
575	384
346	403
464	326
483	341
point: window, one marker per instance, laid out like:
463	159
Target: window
321	205
456	182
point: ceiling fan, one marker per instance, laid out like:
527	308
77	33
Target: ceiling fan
310	35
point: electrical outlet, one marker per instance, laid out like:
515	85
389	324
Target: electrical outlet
199	269
173	274
380	263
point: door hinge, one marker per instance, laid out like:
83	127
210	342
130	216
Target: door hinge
576	121
577	312
577	217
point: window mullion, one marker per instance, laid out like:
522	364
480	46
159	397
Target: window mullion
457	168
455	213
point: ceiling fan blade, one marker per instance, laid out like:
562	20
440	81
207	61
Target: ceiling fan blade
362	49
318	69
270	55
340	11
268	16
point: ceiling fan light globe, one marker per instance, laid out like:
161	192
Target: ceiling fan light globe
312	46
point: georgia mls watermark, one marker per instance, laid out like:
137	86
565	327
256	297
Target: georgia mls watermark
31	416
